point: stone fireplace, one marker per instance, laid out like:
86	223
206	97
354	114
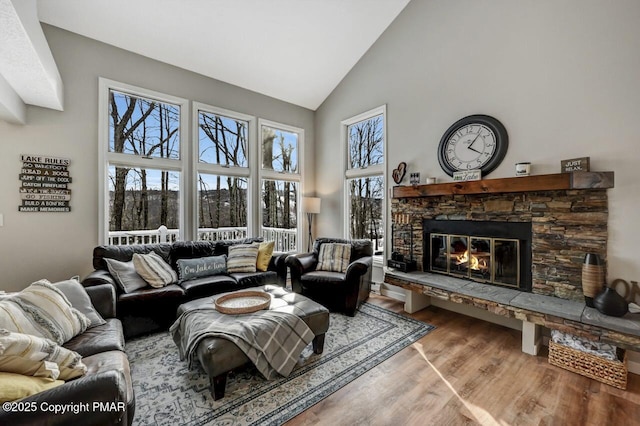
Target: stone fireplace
565	224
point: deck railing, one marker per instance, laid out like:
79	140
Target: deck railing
285	239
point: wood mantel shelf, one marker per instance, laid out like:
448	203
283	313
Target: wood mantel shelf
552	182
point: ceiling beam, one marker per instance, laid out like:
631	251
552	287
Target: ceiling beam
27	67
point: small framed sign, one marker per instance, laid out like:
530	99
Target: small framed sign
414	178
466	175
575	165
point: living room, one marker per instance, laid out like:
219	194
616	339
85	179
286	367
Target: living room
560	76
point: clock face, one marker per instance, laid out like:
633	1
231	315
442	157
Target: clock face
474	142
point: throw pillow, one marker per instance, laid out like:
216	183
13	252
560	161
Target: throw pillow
42	310
242	258
154	270
77	295
124	273
265	251
17	386
35	356
334	257
189	269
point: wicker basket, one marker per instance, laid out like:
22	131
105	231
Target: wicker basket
612	373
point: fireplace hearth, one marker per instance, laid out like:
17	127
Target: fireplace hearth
491	252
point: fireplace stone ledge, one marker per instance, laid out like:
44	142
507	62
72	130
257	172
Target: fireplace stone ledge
548	311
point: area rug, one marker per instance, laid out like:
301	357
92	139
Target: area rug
167	393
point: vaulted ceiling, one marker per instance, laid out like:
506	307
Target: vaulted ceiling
293	50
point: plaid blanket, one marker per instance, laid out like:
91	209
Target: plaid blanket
272	340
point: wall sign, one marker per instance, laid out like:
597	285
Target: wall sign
575	165
465	175
44	184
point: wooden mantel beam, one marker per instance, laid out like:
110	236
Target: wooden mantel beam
551	182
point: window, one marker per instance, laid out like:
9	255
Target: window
364	137
280	183
143	165
224	175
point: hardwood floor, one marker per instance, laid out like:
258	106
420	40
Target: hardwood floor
469	371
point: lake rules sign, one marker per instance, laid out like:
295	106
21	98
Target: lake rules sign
45	183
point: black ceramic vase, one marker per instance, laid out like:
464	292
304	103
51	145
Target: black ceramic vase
609	302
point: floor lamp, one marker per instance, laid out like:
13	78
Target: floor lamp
310	206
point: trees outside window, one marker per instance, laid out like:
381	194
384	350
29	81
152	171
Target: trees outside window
233	177
280	179
143	163
364	137
224	174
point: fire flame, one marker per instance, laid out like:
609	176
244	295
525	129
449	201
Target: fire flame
473	263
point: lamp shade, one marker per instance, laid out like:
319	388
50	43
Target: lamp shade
311	205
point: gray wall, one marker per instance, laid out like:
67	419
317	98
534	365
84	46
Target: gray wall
58	245
562	76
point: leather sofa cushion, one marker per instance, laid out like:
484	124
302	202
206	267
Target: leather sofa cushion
315	278
125	253
151	295
111	360
102	338
191	250
254	279
205	286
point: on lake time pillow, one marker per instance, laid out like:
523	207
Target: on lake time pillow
189	269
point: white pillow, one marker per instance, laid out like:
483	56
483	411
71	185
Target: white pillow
154	270
42	310
35	356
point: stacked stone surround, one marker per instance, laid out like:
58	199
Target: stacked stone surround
566	224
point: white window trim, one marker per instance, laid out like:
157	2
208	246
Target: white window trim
291	177
216	169
376	170
105	157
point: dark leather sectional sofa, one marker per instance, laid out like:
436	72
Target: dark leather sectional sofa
107	382
151	309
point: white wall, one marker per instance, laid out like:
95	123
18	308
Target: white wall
562	76
58	245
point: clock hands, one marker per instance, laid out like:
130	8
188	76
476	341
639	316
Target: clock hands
474	141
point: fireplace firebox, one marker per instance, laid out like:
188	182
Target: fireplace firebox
497	253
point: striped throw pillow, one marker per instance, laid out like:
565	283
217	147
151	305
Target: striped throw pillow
154	270
242	258
42	310
35	356
334	257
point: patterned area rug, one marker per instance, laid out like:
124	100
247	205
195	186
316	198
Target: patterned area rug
167	393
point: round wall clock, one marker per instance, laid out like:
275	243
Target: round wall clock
473	142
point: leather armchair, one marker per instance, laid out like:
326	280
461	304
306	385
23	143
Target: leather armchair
343	292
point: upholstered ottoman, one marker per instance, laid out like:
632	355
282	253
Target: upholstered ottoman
219	356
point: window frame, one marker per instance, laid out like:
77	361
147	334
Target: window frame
107	158
364	172
220	170
273	175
